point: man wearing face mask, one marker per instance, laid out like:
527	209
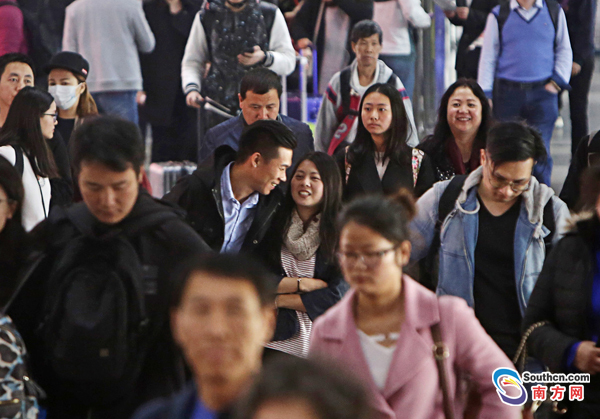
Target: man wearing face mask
67	74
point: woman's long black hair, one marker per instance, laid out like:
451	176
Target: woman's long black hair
330	204
23	129
396	148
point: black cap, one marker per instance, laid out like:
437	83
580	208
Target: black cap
69	61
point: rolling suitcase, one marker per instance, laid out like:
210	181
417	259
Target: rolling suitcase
163	176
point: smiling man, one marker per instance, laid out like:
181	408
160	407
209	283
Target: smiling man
495	237
113	255
232	205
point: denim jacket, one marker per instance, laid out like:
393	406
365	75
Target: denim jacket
459	236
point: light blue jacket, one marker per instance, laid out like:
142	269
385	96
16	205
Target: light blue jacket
459	236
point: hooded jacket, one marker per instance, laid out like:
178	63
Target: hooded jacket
458	236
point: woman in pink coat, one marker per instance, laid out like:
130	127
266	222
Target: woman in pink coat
381	329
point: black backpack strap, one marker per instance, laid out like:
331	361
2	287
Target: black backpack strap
550	224
19	163
445	206
554	10
448	200
345	75
501	18
392	80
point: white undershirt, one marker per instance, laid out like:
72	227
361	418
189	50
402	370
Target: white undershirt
379	358
381	164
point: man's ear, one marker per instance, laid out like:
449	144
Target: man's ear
255	159
240	99
141	174
482	156
270	318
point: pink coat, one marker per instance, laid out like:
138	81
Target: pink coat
412	389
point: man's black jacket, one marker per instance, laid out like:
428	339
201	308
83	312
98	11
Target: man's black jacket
199	194
161	249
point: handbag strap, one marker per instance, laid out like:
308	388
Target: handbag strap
521	354
440	353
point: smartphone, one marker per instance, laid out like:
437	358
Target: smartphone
248	50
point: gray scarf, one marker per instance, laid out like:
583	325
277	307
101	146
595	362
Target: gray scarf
302	244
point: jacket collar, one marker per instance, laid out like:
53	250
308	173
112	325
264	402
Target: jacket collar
412	350
534	199
420	306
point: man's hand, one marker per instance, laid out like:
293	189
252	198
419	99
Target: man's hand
551	87
576	69
175	6
251	58
303	43
462	12
587	358
140	98
193	99
450	13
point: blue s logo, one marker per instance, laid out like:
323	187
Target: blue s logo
504	377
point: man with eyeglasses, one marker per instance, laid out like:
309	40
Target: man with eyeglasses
494	240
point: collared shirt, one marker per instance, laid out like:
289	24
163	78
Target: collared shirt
238	217
490	50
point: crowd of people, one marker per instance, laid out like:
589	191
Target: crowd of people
337	256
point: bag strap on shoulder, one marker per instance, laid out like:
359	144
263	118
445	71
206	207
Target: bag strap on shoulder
417	159
19	162
441	353
550	224
345	75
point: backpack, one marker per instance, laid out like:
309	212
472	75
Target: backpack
502	16
429	271
42	39
95	326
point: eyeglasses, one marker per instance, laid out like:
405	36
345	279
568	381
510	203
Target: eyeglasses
370	259
53	115
515	186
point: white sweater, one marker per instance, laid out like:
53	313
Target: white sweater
37	191
327	122
197	55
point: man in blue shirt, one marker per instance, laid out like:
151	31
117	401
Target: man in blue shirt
526	59
232	205
222	315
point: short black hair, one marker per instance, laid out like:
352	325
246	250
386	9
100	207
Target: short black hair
227	265
109	140
15	57
12	184
514	141
260	81
364	29
331	392
265	137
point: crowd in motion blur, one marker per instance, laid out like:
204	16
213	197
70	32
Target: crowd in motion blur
344	268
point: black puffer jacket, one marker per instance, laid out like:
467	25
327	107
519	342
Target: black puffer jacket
562	297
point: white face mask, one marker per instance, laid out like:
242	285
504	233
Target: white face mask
64	96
